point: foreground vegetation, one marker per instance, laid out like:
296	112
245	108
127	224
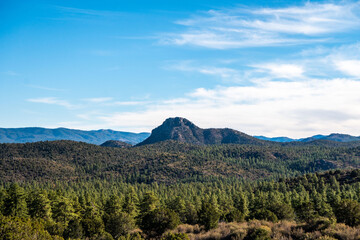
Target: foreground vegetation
307	207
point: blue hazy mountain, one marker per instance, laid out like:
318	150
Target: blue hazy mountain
35	134
276	139
337	137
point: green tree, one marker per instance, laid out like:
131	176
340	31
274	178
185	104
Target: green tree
178	205
119	224
264	214
63	210
241	204
131	203
348	212
208	215
15	228
39	205
15	203
73	230
149	202
91	221
112	205
156	222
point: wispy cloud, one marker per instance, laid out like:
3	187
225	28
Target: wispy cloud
53	101
88	12
98	100
129	103
237	28
224	73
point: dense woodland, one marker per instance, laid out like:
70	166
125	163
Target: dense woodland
170	190
170	161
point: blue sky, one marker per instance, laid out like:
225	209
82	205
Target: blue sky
274	68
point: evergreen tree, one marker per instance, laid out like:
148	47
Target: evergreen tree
131	203
208	215
15	203
39	205
63	211
148	203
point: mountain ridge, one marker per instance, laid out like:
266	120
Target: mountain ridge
336	137
36	134
200	136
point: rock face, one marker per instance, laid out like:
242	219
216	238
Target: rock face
114	143
181	129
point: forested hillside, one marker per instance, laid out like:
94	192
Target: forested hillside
168	161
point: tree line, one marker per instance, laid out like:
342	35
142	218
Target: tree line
110	209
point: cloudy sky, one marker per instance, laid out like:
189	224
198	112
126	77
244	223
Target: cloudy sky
273	68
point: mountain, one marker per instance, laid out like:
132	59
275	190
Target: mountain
114	143
35	134
276	139
337	137
182	130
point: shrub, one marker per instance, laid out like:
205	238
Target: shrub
318	224
156	222
348	212
175	236
261	233
264	214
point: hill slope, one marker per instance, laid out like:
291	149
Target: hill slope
167	161
182	130
34	134
114	143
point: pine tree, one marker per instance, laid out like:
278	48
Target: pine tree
131	203
15	203
208	215
39	205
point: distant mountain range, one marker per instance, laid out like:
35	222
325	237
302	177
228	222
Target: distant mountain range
35	134
178	129
337	137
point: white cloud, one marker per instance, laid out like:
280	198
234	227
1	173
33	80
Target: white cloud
53	101
295	109
129	103
349	67
237	28
289	71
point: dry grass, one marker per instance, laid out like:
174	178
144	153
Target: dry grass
343	232
283	230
